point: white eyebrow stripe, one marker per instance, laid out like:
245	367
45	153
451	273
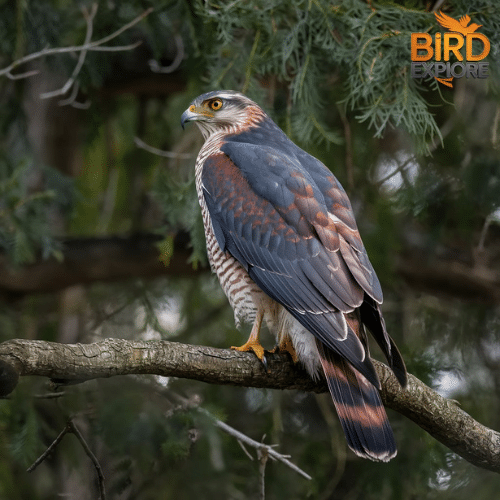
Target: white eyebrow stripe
232	96
228	95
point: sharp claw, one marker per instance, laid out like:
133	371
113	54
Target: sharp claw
264	362
257	349
285	347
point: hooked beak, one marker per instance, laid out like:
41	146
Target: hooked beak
187	116
194	113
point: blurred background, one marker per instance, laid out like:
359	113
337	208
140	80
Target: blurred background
101	236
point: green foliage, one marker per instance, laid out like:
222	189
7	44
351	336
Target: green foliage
183	213
24	225
367	49
481	179
23	423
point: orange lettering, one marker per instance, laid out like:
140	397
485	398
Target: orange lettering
486	46
438	46
416	46
448	47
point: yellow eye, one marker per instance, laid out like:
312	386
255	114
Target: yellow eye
216	104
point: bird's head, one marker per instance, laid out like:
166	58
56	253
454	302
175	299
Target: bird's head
222	111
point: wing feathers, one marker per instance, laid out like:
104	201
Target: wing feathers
292	263
362	271
371	316
448	22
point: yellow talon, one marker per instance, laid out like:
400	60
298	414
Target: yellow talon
253	343
286	345
250	346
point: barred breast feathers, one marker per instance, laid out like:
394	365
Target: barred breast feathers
238	287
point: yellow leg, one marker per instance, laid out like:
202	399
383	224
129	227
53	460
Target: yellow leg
253	342
286	345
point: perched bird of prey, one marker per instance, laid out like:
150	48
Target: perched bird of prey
282	239
457	26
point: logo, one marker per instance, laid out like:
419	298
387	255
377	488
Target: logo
432	57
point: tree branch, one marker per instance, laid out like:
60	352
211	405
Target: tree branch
86	260
450	278
440	417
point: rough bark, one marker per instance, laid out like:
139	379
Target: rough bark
441	418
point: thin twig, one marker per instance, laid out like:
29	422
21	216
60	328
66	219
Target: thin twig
262	455
437	5
399	170
71	100
484	232
247	453
89	19
20	76
124	28
494	129
179	56
94	46
115	48
160	152
50	395
74	92
100	476
47	452
255	444
249	64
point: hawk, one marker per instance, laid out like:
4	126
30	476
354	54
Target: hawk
282	239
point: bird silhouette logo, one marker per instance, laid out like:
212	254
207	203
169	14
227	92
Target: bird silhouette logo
461	26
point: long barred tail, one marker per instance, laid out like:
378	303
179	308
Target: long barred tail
359	408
